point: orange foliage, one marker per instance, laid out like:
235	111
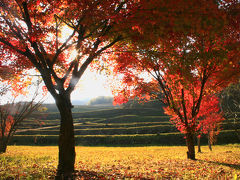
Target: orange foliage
6	126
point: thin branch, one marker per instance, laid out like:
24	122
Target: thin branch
195	109
27	16
11	46
119	38
63	47
56	29
73	63
184	108
12	26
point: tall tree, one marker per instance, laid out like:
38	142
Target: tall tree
190	54
33	35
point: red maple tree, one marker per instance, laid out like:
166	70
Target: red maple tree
190	56
32	35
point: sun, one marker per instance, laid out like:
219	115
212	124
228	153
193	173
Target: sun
91	85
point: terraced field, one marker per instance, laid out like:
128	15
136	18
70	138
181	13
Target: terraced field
109	126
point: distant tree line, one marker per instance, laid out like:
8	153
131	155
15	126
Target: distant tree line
101	100
230	105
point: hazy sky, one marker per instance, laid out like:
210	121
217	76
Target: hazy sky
91	85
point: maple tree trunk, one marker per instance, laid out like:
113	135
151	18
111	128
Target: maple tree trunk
237	132
209	142
199	144
66	142
190	146
3	146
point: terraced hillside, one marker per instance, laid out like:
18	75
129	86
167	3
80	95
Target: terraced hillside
107	126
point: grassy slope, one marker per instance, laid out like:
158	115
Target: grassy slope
99	125
33	162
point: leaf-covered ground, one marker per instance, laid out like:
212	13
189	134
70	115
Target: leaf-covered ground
31	162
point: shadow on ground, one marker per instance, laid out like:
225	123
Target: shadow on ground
234	166
89	175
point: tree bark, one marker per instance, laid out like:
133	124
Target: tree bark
66	143
209	142
238	133
3	146
190	146
199	144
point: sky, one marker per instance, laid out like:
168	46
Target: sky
91	85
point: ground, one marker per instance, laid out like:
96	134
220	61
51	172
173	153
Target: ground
169	162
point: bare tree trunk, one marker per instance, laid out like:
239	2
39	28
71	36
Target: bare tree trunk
209	141
238	133
66	142
3	145
190	146
199	144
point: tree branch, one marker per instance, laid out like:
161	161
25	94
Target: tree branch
27	16
73	63
11	46
184	108
195	109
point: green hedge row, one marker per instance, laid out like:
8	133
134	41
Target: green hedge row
120	125
108	131
134	118
108	113
225	137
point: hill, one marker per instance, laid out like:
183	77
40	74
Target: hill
108	125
